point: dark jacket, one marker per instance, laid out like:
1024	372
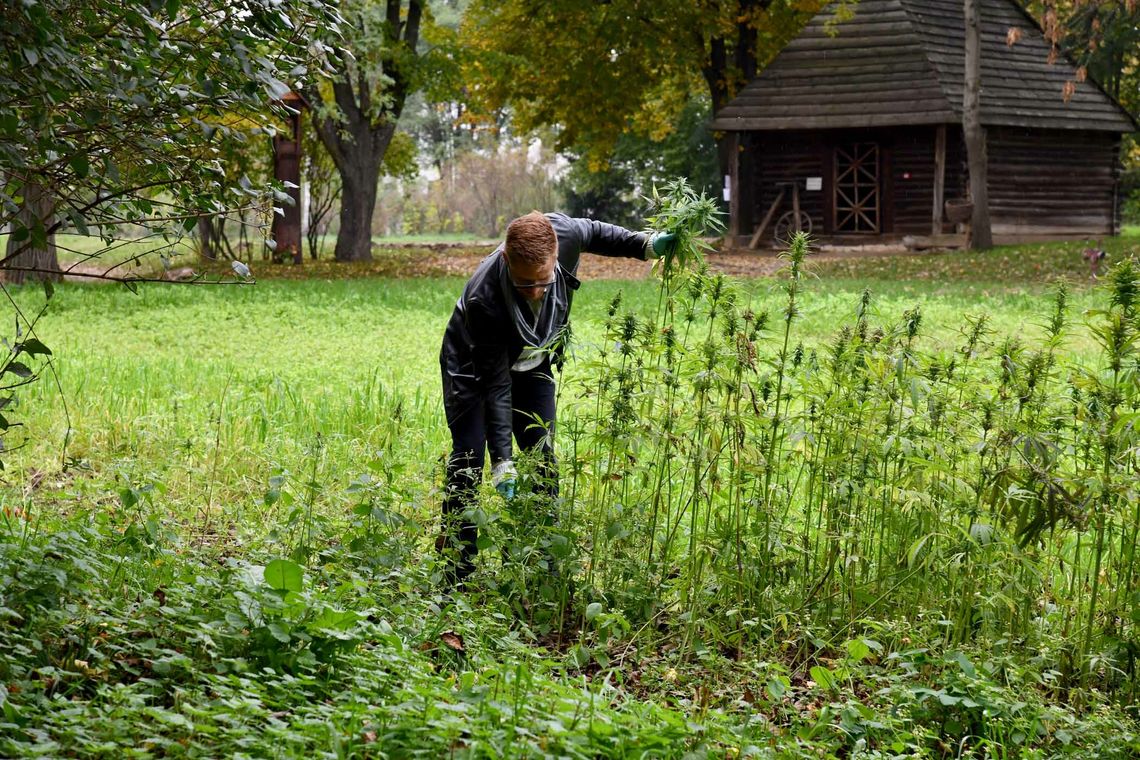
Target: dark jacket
492	324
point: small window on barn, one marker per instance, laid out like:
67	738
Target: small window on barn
857	187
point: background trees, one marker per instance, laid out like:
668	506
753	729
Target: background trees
637	163
1103	36
120	112
377	65
153	118
597	71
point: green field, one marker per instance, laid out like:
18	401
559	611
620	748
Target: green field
206	445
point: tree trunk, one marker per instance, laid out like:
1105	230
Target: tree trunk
34	255
357	202
207	239
358	162
722	75
981	236
357	138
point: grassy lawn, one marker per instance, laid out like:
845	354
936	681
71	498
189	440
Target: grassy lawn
131	256
212	431
325	340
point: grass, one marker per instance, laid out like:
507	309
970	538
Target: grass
140	257
213	430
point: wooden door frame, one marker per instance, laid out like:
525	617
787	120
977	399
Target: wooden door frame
849	138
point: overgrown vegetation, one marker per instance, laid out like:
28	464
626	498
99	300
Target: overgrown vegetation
798	520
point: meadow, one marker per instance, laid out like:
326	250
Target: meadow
838	512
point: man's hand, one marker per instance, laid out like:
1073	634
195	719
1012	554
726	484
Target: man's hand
660	244
503	477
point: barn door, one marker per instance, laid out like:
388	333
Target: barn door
857	193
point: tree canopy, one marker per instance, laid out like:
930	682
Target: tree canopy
377	61
598	70
121	107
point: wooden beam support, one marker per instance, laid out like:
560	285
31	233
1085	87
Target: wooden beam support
736	220
767	218
939	179
796	205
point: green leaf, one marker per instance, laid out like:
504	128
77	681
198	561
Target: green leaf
915	550
824	678
857	650
593	609
275	87
19	369
284	575
964	663
34	347
80	165
78	222
333	619
279	632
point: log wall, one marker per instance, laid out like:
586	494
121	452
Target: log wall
1042	183
787	157
1053	182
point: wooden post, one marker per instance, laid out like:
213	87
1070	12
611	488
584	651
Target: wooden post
939	179
287	168
1114	223
796	205
981	236
735	217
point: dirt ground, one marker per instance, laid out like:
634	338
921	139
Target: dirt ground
435	260
739	263
448	259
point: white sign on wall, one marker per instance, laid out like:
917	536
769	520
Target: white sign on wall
727	188
815	183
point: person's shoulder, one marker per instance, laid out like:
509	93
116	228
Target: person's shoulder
483	289
566	226
559	221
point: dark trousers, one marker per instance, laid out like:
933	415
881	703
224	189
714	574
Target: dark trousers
532	418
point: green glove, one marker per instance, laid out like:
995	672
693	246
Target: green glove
506	489
661	244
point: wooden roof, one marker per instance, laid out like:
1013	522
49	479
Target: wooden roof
901	62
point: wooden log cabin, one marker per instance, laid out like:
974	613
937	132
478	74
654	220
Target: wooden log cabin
862	115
